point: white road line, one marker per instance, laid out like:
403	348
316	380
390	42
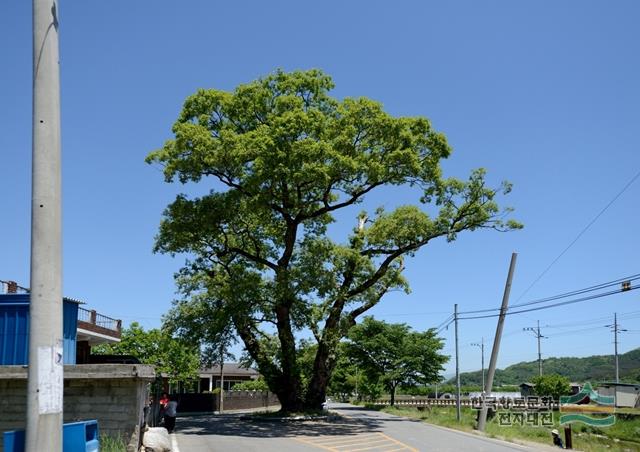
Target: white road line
174	443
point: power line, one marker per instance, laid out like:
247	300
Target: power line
585	229
581	330
536	333
444	327
627	315
615	328
580	291
591	297
604	285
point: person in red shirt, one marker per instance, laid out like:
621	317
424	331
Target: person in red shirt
164	401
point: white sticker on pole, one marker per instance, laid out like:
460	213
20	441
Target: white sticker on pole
50	379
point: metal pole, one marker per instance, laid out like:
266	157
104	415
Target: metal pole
615	342
539	353
45	375
482	420
482	351
616	329
481	347
455	318
536	332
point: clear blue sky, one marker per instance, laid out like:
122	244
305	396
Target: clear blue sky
544	94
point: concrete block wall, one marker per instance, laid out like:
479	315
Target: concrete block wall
13	406
242	400
114	394
233	400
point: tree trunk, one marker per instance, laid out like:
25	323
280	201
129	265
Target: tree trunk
284	381
393	395
322	369
325	360
289	391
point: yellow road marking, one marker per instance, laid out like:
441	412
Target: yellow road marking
372	447
369	441
357	438
400	443
313	444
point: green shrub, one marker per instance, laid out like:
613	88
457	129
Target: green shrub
112	444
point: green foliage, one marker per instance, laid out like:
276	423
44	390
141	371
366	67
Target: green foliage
551	385
280	158
176	358
346	380
369	388
591	368
394	354
252	385
112	444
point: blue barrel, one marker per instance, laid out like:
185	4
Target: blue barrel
14	441
80	436
76	437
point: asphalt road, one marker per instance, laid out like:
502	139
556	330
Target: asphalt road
358	430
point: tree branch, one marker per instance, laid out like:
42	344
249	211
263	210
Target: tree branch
330	208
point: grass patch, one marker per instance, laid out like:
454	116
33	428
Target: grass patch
623	436
112	444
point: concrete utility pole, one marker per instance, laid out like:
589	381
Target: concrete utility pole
45	385
481	345
482	419
536	333
616	329
455	319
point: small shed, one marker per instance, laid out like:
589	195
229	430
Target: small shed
527	389
626	394
14	329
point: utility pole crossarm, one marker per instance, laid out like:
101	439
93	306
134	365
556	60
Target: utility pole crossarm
536	332
615	329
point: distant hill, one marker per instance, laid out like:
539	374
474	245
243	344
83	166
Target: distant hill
592	368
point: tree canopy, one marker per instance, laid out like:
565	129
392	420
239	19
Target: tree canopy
281	157
176	358
551	385
394	354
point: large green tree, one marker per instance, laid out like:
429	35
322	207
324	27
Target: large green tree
552	385
281	158
174	357
396	355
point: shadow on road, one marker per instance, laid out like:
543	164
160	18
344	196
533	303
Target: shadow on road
232	425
